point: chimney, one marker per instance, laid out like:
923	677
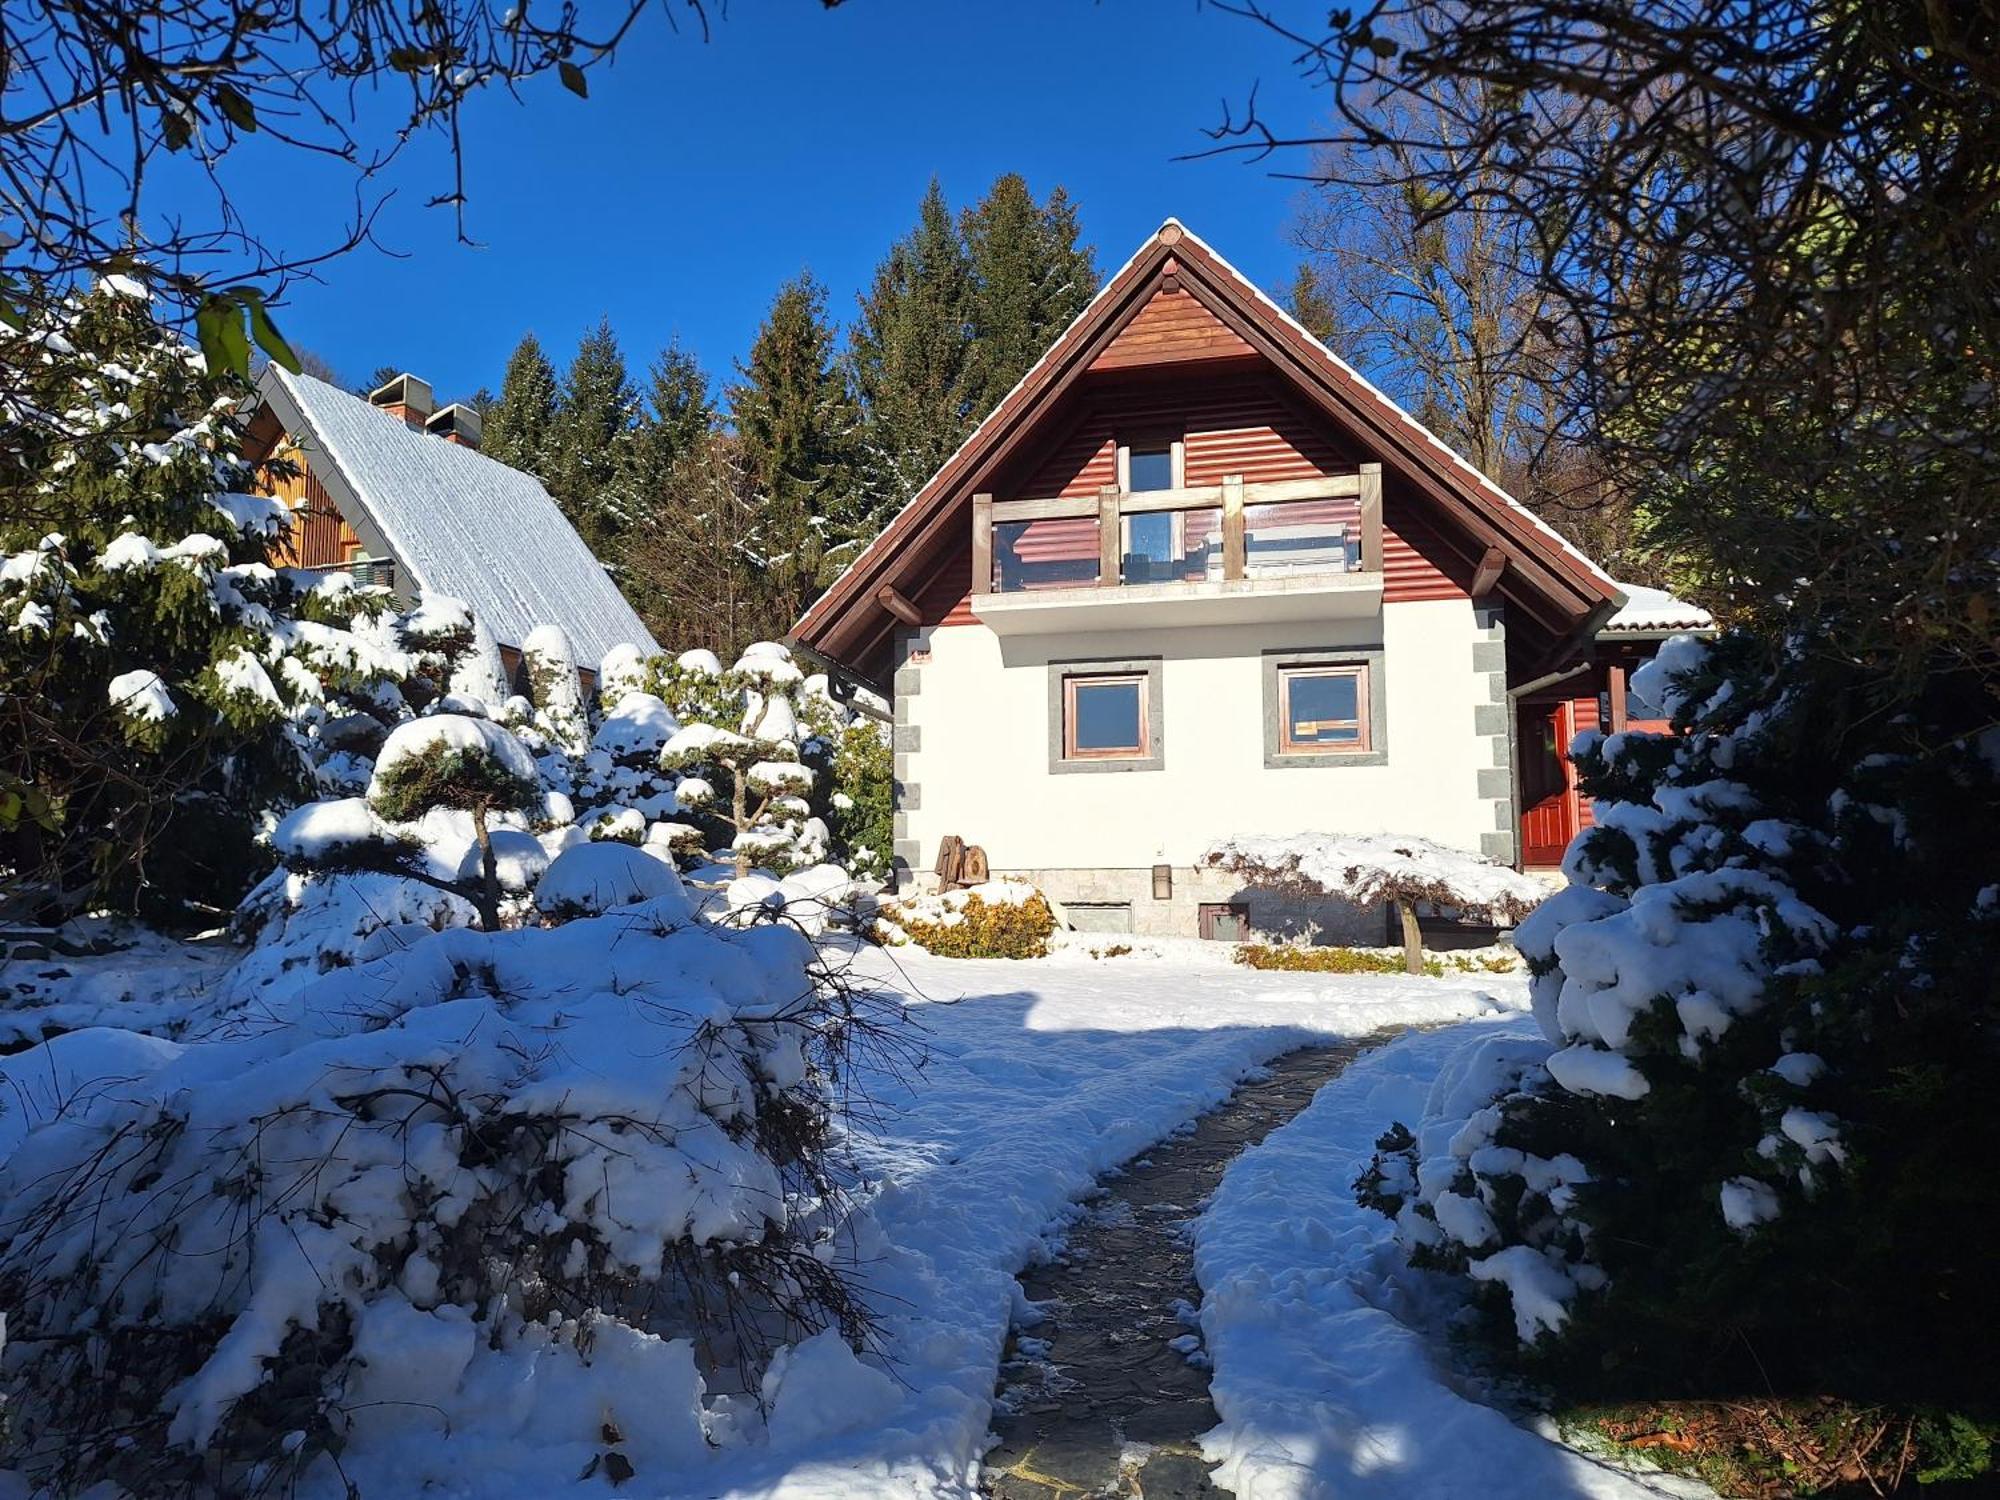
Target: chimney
456	423
406	398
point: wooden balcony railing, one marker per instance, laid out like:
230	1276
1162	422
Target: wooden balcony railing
1221	532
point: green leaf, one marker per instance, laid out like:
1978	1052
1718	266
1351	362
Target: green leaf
264	331
236	109
218	328
573	79
12	316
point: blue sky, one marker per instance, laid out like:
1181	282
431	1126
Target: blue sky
698	176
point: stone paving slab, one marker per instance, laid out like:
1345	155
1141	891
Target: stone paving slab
1108	1395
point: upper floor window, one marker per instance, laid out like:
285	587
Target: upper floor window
1155	465
1150	467
1104	718
1322	709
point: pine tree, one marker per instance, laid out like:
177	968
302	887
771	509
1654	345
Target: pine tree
796	423
912	356
590	443
1030	278
518	424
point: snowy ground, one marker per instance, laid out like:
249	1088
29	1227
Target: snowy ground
1040	1076
1324	1385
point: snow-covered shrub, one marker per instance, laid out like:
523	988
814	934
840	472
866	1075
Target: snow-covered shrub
621	787
587	880
861	798
1368	869
562	1189
738	754
1759	1147
558	689
997	919
451	763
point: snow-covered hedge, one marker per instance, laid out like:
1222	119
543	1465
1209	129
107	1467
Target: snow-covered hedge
567	1188
1768	995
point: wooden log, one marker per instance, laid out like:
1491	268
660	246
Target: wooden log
898	604
1491	565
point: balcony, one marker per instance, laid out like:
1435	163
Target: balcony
1226	554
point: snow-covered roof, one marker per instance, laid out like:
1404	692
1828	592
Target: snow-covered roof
1650	611
461	523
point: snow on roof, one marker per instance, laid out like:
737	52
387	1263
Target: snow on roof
461	523
1650	611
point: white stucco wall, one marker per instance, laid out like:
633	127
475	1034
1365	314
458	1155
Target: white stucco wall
979	760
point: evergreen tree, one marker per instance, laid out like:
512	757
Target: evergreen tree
518	424
380	376
1030	278
796	422
682	410
912	356
590	442
153	667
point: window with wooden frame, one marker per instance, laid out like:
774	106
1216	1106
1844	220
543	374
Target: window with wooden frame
1105	717
1323	710
1153	463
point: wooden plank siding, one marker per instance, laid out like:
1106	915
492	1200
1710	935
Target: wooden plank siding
1233	427
320	536
1173	326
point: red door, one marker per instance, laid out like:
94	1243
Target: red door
1549	816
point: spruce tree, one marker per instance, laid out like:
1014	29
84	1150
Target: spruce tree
1030	278
912	356
680	415
518	424
796	422
590	442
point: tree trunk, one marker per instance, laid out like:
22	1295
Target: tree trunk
488	901
1413	938
741	819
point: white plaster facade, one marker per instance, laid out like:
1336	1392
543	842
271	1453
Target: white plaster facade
973	734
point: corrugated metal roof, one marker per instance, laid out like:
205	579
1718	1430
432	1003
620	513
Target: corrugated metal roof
1650	611
463	524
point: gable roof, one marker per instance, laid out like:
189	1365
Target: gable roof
1563	585
463	524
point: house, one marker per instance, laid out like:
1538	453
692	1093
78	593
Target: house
1195	577
394	490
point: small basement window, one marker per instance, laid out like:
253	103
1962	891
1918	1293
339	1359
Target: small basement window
1322	710
1225	921
1099	916
1104	718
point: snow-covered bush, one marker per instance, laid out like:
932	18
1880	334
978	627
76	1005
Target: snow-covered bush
1368	869
738	754
563	1189
996	919
1760	1143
